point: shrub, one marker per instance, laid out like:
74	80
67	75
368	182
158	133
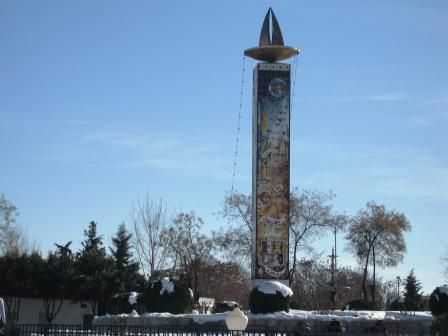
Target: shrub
361	304
225	306
395	305
438	301
122	303
166	296
440	326
269	297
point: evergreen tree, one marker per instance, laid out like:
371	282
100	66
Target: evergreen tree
126	270
95	281
92	243
412	294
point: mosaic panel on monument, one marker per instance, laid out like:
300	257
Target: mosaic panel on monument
271	169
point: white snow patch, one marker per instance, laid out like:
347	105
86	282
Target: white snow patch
345	316
132	298
191	292
201	319
271	287
167	286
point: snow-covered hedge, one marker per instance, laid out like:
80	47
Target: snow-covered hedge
438	301
269	297
122	303
166	296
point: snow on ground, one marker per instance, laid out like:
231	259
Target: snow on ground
271	287
348	316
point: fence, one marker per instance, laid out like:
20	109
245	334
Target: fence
386	328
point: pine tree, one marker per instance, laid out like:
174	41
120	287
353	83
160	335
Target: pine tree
126	270
412	294
95	269
92	242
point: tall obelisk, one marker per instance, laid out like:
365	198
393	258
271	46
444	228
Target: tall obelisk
270	162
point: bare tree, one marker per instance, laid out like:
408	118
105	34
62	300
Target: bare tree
376	237
150	221
310	214
189	247
12	237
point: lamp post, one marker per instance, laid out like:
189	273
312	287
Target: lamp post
236	321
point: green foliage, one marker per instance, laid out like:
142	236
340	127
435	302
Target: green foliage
155	299
412	295
95	281
260	302
119	304
361	304
126	276
17	276
438	301
440	326
55	280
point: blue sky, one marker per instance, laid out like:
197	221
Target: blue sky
101	101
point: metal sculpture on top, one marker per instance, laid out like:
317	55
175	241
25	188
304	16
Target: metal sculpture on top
271	49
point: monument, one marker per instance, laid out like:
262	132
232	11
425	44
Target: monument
270	162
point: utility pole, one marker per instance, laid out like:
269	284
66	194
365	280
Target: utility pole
333	270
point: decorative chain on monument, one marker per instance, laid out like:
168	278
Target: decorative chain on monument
240	109
293	88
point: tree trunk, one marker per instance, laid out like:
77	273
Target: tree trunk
364	278
294	265
52	308
373	287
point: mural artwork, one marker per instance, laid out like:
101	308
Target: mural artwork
272	172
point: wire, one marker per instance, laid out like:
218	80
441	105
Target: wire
235	159
294	75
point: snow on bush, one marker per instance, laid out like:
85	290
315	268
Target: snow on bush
269	297
165	296
272	287
132	299
167	286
